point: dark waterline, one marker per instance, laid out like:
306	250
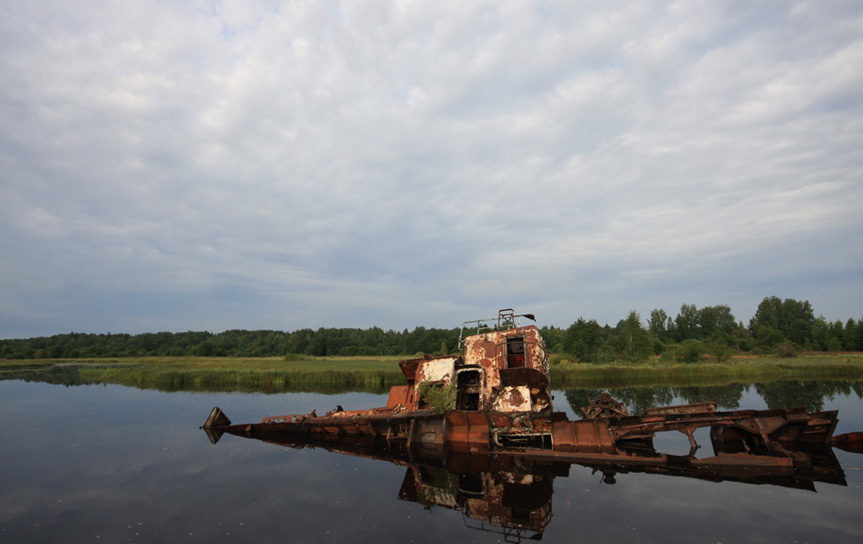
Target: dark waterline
116	464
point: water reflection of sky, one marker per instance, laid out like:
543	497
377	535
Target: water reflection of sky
112	464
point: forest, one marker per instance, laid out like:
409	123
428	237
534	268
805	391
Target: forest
779	327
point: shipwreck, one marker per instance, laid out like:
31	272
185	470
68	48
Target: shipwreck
477	431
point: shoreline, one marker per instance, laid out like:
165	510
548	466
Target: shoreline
377	374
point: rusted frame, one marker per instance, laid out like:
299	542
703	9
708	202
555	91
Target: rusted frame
533	344
512	323
765	425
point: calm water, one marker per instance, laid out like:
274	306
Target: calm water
115	464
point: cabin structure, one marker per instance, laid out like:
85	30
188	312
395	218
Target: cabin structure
502	368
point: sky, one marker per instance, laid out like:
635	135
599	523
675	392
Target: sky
215	165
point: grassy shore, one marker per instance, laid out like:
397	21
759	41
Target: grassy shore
265	375
376	375
737	370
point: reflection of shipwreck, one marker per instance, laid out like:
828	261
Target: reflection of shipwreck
481	425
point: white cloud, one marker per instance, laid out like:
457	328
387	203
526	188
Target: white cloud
414	160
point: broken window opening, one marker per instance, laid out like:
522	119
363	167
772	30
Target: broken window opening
468	390
515	352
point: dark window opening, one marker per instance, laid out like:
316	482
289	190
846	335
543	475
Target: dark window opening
470	484
520	516
468	390
515	352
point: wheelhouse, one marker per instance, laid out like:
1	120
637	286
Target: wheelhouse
502	367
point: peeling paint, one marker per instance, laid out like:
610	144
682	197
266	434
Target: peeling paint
436	370
513	399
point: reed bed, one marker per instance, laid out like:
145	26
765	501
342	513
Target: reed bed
378	374
263	375
706	373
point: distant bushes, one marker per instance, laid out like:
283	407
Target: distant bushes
295	357
689	351
560	359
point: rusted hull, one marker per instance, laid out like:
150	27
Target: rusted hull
406	426
776	441
799	468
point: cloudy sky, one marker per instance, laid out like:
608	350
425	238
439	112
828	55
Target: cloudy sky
210	165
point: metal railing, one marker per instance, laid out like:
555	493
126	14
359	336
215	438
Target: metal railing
506	319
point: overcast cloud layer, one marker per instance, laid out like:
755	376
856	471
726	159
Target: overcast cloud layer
279	165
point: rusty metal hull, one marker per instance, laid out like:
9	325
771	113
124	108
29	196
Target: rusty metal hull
813	463
778	440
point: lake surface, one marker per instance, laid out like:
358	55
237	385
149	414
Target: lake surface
116	464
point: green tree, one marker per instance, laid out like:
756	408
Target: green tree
686	323
715	319
768	314
767	337
583	340
820	334
659	324
554	339
851	336
631	341
793	319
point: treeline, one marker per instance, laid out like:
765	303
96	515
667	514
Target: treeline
235	343
782	327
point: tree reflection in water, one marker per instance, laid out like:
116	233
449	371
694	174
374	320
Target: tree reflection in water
776	395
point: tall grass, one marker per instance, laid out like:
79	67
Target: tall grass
707	373
378	374
265	375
